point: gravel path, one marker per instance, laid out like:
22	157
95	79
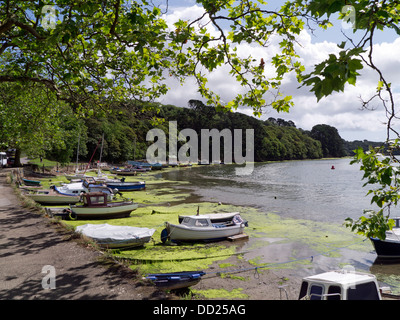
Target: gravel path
39	261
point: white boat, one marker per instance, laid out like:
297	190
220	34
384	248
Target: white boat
96	206
51	197
200	227
87	185
113	237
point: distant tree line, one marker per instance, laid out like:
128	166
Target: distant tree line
125	135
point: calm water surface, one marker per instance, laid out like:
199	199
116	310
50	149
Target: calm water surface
309	190
296	189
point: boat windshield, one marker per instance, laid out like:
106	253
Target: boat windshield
196	222
97	200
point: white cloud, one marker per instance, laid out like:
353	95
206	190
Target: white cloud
341	110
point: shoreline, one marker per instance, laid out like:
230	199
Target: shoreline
241	285
164	199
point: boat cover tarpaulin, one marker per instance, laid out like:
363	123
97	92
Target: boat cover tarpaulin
109	233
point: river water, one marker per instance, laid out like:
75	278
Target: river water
324	191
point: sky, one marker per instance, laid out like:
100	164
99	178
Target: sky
341	110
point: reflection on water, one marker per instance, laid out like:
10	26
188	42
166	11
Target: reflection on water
309	190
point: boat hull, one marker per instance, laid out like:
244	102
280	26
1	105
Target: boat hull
31	183
176	280
113	210
185	233
386	248
53	199
123	173
126	186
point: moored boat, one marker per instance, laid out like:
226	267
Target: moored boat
31	183
215	217
51	197
116	237
87	185
200	227
96	206
127	186
390	247
124	172
176	280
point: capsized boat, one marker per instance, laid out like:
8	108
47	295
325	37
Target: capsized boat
116	237
96	206
390	247
176	280
200	227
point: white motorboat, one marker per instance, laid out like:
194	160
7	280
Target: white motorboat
200	227
116	237
96	206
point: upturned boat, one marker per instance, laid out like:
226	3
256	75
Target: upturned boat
116	237
176	280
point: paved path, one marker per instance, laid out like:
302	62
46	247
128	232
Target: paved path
28	243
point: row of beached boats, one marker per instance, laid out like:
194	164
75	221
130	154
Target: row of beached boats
94	198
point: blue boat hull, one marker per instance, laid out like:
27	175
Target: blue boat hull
176	280
126	186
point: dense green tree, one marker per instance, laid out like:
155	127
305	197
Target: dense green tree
273	140
34	121
332	143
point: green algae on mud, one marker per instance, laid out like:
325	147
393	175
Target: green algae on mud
221	293
156	257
